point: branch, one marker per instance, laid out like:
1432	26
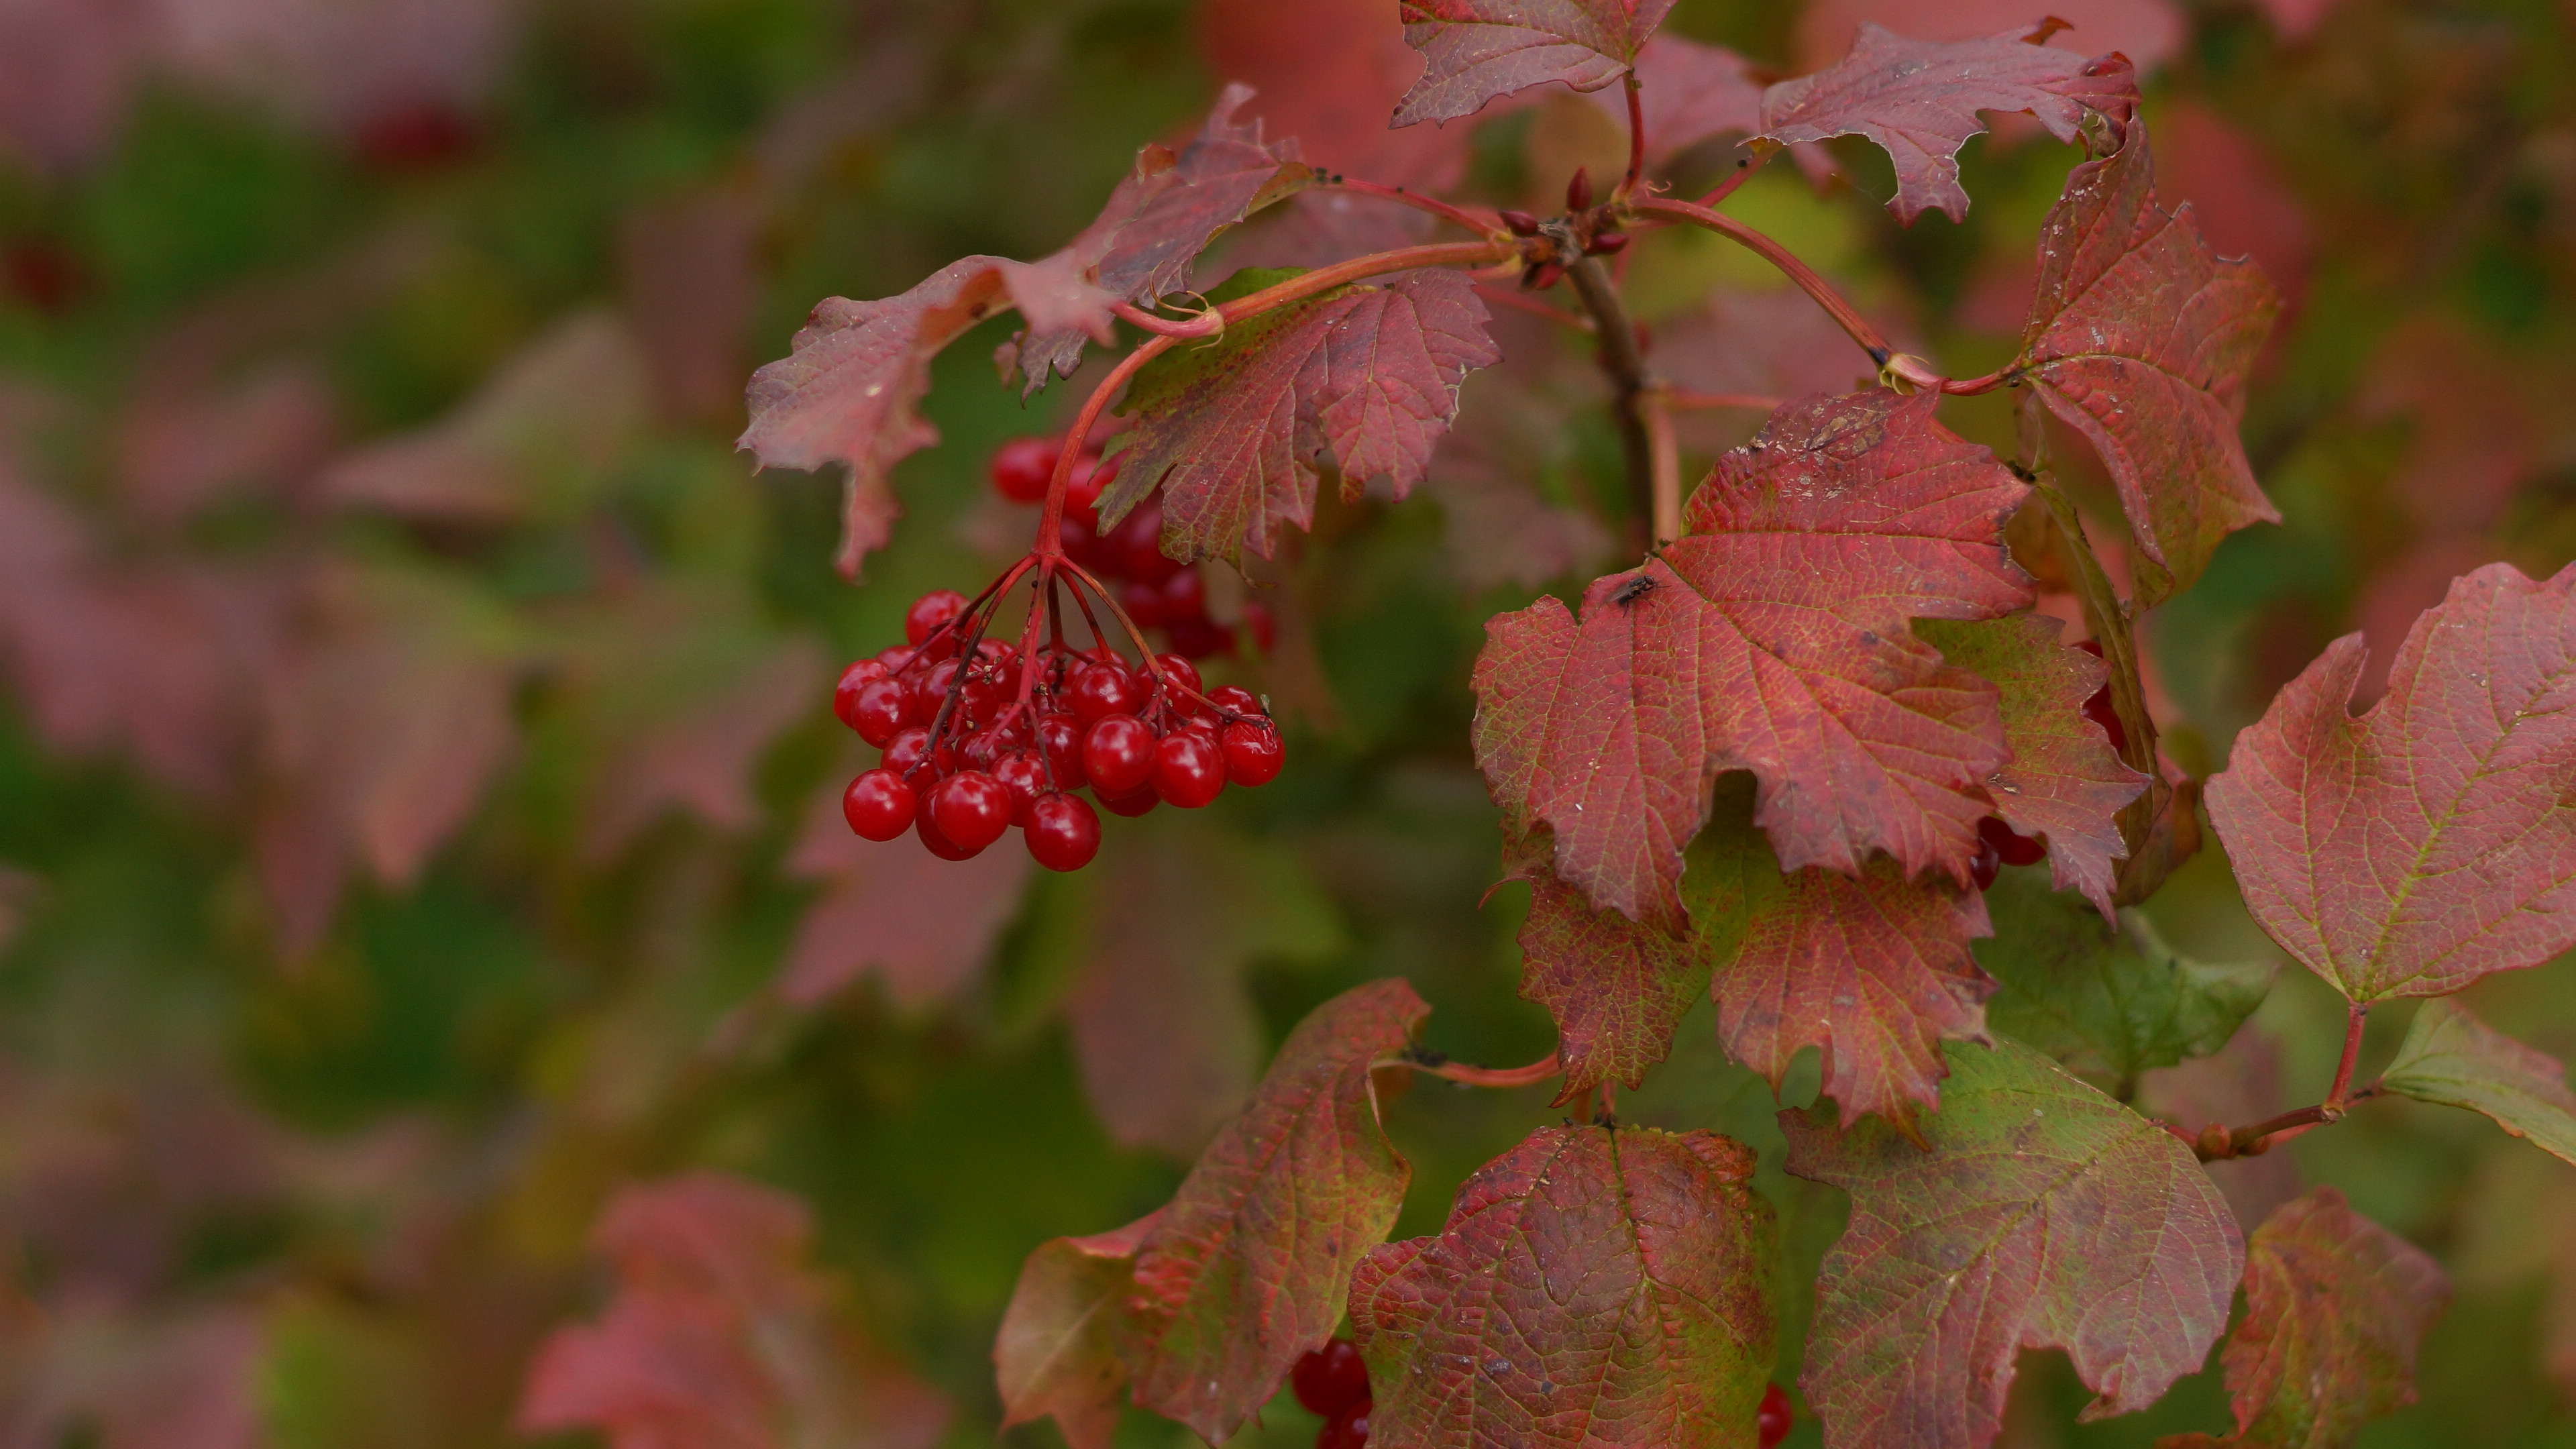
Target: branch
1422	1059
1620	358
1516	299
2216	1143
1843	313
1636	140
2356	1016
1415	199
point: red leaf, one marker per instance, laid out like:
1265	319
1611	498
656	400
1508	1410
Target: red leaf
2141	339
1362	378
720	1336
1919	101
1593	1286
1058	1354
2037	1213
2334	1308
1616	988
1329	72
1475	50
2146	31
845	393
1772	638
2416	848
2064	781
1875	971
1689	92
925	925
1157	222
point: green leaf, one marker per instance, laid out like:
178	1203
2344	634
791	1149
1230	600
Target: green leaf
2036	1213
2455	1059
2117	1002
1593	1287
1058	1352
1616	987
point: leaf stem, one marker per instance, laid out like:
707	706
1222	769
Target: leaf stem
1415	199
2357	1015
1469	1075
1051	522
1667	460
1744	170
1621	360
1636	139
1844	314
1206	324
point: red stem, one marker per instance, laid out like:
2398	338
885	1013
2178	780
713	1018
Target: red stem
1743	172
1972	386
1469	1075
1636	140
1514	298
1203	325
2356	1014
1843	313
1417	200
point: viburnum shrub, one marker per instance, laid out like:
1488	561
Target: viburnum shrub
1781	760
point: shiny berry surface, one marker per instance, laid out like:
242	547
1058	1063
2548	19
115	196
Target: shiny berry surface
1771	1422
882	709
972	809
1180	673
1331	1378
1986	864
1062	832
1060	736
1348	1429
1118	754
878	805
934	840
929	612
1237	698
1189	769
1024	776
1253	753
1102	689
845	694
1022	468
908	755
2011	847
1132	804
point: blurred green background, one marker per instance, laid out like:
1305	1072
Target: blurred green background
416	777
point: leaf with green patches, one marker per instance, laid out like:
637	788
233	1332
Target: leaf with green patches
1616	988
2455	1059
2036	1213
1593	1287
1058	1352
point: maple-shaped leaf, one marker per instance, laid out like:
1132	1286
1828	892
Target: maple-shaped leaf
720	1334
1475	50
1919	101
2414	849
1772	637
2036	1213
1250	1264
2451	1057
1058	1354
1170	917
2140	338
1362	379
2064	781
2335	1306
1874	970
922	925
1594	1286
847	392
1688	93
1616	988
1160	217
2115	1000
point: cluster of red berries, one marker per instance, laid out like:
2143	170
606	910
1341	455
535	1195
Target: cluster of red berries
1771	1422
1333	1382
978	740
1156	591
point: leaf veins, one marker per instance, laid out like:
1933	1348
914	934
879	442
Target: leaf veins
2451	1057
1774	639
2416	848
1475	50
1592	1287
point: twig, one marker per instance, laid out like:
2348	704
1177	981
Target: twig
1636	140
1432	204
1665	454
1516	299
1620	358
1468	1075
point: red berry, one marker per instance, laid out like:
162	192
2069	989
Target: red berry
926	825
1139	541
1259	627
1021	773
988	688
1985	864
2100	710
2011	847
1347	1429
1253	753
896	658
1060	735
845	695
1104	688
1189	769
1771	1422
884	707
908	755
878	805
1062	832
1330	1379
972	808
1118	755
1197	638
2090	646
981	750
1082	489
1131	804
929	612
930	690
1236	698
1180	673
1185	595
1143	603
1082	543
1023	467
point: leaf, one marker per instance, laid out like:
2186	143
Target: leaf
2063	782
720	1335
846	391
2140	339
1164	1029
1722	654
925	926
1329	72
1058	1351
1616	988
1593	1286
1875	971
2116	1001
1688	93
1250	1266
1362	379
2455	1059
1475	50
1919	101
2416	848
2038	1213
1160	217
2334	1308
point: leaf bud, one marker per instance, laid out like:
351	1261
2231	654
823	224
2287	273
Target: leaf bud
1607	244
1520	223
1541	277
1578	192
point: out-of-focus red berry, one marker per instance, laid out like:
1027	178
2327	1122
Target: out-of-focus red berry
1348	1429
1143	603
1185	595
1259	627
2011	847
1022	468
1772	1421
1083	487
1331	1378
